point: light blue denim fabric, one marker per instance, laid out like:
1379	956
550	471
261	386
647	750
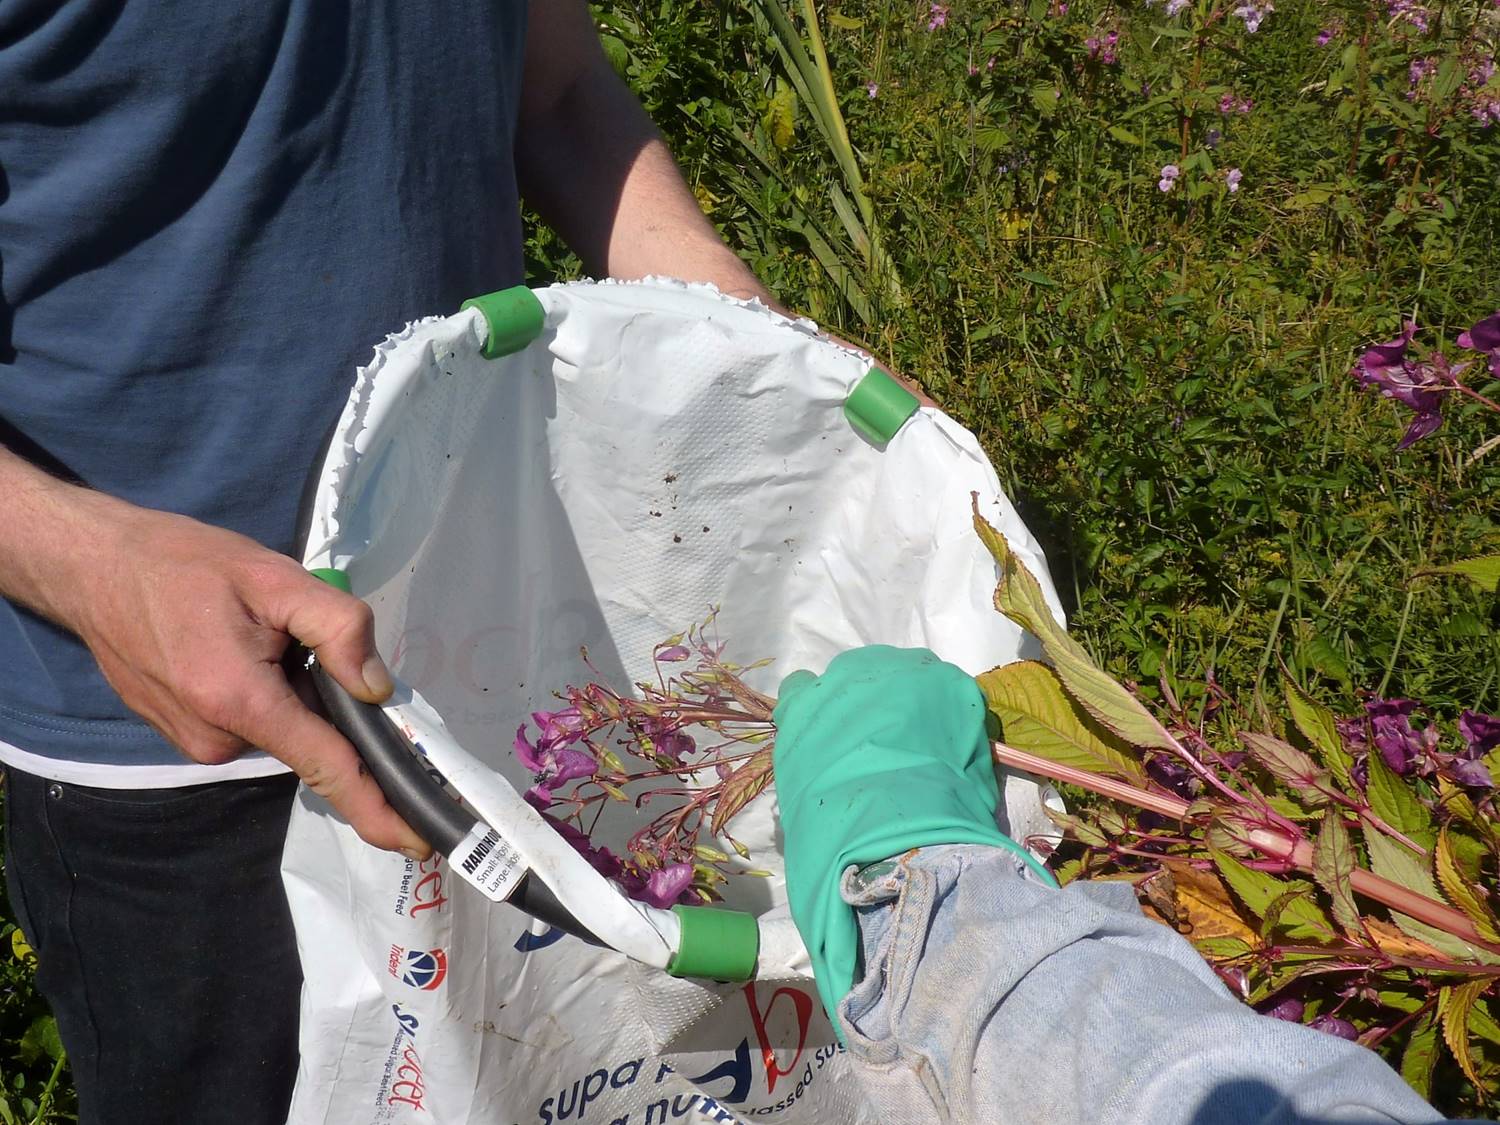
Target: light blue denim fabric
989	998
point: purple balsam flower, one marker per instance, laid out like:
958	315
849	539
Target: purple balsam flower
1481	733
1332	1025
665	887
526	753
1232	180
1289	1009
937	16
1420	388
672	654
1471	774
562	766
1401	746
1484	338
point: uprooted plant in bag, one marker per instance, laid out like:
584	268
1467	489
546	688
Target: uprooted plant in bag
1336	872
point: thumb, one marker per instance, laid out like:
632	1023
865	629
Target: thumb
793	685
341	630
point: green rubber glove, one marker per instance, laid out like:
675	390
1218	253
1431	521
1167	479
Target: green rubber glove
884	752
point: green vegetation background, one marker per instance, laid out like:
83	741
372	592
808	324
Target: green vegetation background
1161	379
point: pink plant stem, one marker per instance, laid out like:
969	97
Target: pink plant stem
1267	841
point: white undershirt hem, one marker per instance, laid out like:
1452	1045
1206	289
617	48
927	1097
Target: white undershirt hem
174	776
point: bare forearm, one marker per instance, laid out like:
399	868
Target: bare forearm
49	529
594	166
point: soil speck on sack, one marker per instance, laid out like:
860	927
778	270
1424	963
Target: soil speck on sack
669	478
676	539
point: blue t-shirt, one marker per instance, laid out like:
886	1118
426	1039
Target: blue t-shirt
209	213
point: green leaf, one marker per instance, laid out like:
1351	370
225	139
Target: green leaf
1333	864
1081	830
1222	948
1482	1023
1395	862
41	1038
745	784
1299	916
1420	1056
1040	718
1124	135
1019	597
1395	803
1288	765
1483	571
1318	726
781	114
848	23
1460	892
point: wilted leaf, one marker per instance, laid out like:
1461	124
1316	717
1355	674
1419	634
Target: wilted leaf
1259	891
1288	765
1042	719
1393	943
1483	571
1161	893
745	784
1204	910
1394	802
1460	892
1019	597
1454	1005
1333	863
1420	1055
1317	725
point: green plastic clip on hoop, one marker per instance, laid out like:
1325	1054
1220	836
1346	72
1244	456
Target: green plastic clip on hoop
878	406
514	316
716	944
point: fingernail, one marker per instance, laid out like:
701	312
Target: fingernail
376	677
411	854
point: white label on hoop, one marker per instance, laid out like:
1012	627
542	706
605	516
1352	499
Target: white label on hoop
486	859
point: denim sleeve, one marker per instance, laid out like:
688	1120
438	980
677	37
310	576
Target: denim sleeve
987	997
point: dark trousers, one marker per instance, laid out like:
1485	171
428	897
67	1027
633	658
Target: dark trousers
165	944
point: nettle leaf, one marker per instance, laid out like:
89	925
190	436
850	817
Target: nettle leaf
1454	1006
1333	864
1460	892
1483	571
1288	765
1019	597
1394	802
1420	1056
1318	726
1395	862
745	784
1294	910
1042	719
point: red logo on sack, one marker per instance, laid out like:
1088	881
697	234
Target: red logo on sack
420	968
802	1011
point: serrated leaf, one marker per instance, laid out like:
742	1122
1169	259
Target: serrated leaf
1081	830
1041	718
1483	571
1454	1005
1288	765
1460	892
1300	917
1394	802
1019	597
1318	726
1393	861
745	784
1420	1056
1401	1001
1393	943
1333	864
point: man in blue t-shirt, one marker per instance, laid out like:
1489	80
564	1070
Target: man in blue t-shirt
207	213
